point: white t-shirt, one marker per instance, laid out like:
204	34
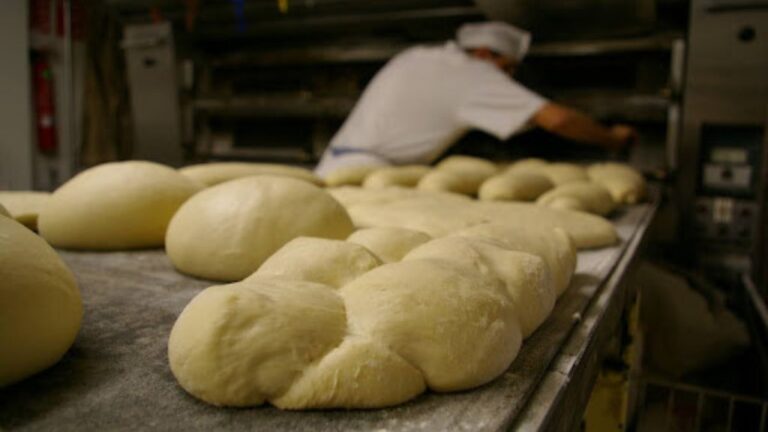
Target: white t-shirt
422	102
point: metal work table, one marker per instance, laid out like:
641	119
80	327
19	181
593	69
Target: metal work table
116	375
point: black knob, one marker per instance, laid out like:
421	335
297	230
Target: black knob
747	34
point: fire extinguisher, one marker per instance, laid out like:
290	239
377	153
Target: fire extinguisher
44	104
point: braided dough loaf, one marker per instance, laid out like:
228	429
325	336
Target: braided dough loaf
450	316
225	232
119	205
211	174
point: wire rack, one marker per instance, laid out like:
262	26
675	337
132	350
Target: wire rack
673	406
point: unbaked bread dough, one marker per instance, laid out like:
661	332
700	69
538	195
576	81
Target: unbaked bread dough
114	206
404	176
40	306
460	174
380	340
515	186
329	262
453	323
528	164
579	196
225	232
626	184
24	206
4	212
243	343
554	246
563	172
467	164
211	174
527	277
447	181
390	244
349	175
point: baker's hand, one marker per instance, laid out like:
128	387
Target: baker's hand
624	136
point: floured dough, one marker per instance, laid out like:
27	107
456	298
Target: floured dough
526	276
243	343
453	323
579	196
515	186
349	175
390	244
24	206
211	174
626	184
119	205
330	262
554	246
225	232
405	176
40	307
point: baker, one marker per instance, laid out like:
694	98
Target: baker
428	97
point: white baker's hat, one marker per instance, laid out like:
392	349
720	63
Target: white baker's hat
497	36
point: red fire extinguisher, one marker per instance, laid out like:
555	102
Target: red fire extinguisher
44	104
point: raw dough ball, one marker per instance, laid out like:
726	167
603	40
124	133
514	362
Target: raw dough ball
528	164
25	206
243	343
360	373
452	322
40	307
467	174
329	262
626	184
580	196
350	175
526	276
4	212
515	186
562	173
225	232
447	181
390	244
553	245
119	205
405	176
476	167
211	174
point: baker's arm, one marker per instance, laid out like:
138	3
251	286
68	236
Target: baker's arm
577	126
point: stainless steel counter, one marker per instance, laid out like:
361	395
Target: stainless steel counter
116	376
